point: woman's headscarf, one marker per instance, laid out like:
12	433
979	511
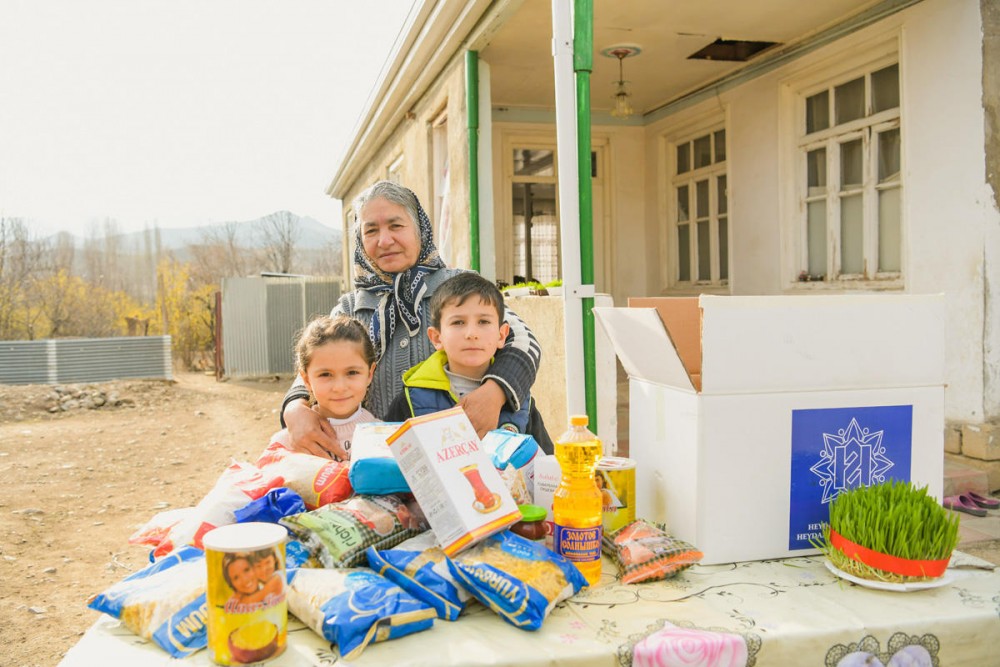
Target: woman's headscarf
401	293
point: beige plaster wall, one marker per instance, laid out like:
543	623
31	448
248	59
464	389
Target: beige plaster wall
544	314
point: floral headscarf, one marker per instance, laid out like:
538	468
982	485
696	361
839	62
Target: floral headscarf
401	292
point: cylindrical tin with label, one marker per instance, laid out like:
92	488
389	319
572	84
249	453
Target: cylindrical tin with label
247	609
616	478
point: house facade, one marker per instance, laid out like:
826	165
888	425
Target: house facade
847	147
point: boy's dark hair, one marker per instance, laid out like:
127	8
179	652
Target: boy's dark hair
457	289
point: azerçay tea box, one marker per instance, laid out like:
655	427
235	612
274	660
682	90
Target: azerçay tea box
749	414
453	478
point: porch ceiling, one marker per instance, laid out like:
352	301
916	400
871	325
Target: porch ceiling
667	31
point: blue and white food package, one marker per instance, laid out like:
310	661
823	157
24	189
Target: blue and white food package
164	602
520	580
420	568
519	450
373	469
355	607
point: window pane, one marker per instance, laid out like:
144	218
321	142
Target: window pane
889	242
702	151
684	252
701	197
851	164
816	168
851	235
816	232
723	249
684	158
704	252
818	112
849	100
536	231
529	162
720	146
683	212
888	156
885	88
723	195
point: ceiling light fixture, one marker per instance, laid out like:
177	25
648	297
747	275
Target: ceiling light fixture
623	103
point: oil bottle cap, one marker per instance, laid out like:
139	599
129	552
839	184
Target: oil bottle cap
579	420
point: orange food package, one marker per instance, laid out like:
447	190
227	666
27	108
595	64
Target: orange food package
645	551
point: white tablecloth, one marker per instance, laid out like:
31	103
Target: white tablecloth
789	612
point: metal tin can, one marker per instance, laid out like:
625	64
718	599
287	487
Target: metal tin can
616	478
247	609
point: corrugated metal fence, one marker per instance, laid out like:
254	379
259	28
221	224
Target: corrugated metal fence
261	316
65	360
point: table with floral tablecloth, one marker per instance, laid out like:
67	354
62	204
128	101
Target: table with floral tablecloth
779	612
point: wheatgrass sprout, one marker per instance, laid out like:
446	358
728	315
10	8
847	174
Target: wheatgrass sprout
893	518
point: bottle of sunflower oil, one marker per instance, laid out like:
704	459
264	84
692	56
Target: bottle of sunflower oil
576	505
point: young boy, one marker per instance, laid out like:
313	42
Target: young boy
467	329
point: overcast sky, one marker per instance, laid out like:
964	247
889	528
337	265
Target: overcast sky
181	112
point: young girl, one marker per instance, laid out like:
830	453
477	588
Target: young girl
336	360
249	594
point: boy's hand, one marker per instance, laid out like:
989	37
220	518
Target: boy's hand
482	406
311	434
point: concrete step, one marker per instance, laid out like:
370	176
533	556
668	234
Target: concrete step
959	477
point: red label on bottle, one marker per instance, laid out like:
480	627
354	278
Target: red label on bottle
581	545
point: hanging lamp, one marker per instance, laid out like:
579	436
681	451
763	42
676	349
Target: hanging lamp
622	98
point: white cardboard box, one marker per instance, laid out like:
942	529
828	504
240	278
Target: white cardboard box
749	414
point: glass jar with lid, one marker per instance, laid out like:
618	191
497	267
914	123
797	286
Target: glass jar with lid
532	523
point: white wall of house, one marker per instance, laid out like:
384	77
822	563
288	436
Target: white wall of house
947	206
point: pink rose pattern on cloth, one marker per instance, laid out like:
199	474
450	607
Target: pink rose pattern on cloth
683	647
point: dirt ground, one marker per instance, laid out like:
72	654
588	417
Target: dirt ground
77	483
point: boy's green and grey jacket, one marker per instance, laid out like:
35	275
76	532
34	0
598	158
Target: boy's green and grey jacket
426	389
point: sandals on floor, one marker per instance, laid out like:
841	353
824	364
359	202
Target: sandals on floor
963	503
986	502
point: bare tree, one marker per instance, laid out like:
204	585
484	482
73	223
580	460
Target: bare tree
279	232
21	260
220	254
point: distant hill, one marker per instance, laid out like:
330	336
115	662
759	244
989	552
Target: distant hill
312	234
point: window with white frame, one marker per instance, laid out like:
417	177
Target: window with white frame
849	176
701	208
534	189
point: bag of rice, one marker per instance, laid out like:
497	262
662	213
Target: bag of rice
518	579
355	607
420	568
164	602
317	480
339	533
644	551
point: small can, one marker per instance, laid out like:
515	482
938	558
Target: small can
616	479
247	608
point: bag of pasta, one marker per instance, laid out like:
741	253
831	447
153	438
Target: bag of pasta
420	568
520	580
164	602
355	607
645	551
340	532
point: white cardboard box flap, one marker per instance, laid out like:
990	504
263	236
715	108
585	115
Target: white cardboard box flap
788	343
643	345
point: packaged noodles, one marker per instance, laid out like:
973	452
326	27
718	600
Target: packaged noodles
520	580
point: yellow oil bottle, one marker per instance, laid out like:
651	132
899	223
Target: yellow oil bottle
576	505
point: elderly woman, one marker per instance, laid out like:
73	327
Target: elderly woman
396	270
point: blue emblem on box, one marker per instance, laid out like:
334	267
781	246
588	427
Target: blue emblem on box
835	449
